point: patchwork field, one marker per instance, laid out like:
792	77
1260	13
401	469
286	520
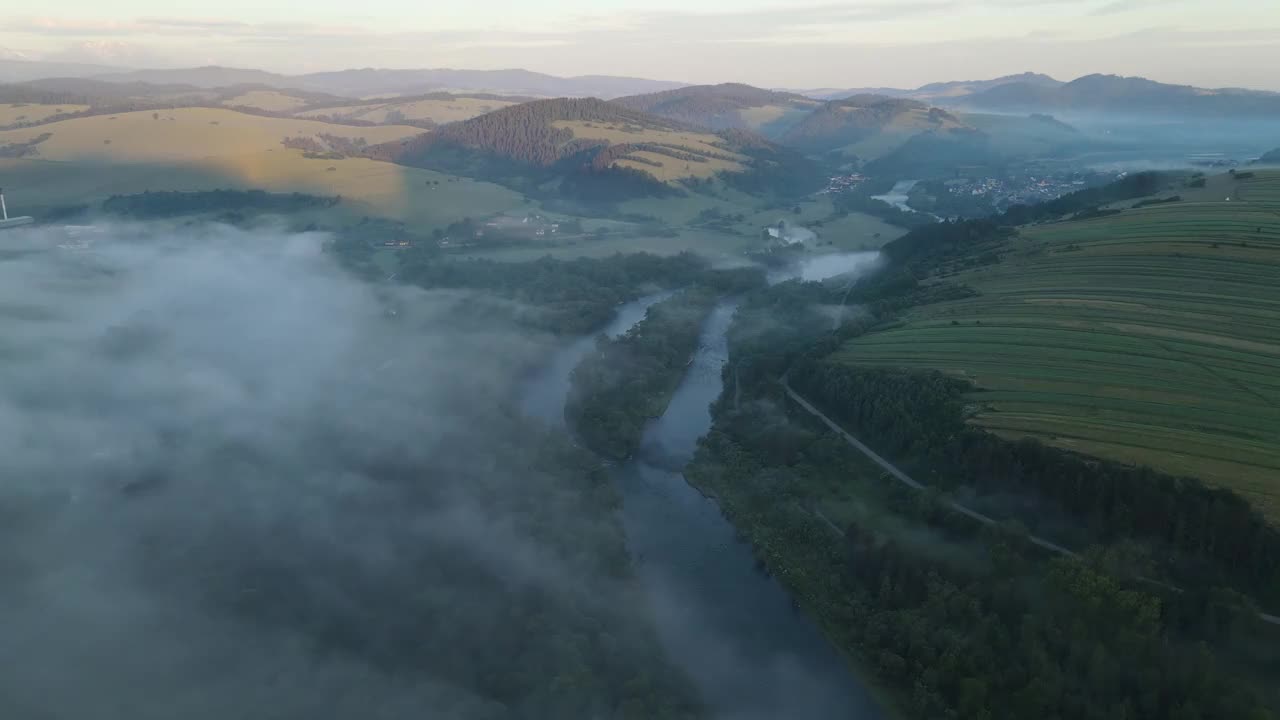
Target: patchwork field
1150	337
13	113
714	159
439	111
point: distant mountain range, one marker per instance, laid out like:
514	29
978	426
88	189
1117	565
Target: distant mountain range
376	82
14	69
1036	93
1124	95
938	91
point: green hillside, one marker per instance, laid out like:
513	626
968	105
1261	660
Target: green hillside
726	106
1151	337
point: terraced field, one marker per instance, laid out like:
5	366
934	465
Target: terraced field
1261	189
1150	337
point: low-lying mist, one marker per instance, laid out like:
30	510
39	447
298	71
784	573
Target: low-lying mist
236	482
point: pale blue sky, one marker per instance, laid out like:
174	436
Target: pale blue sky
802	43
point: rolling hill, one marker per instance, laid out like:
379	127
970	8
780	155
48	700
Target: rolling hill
939	93
726	106
88	159
867	126
1125	95
17	70
211	76
433	109
598	149
1147	336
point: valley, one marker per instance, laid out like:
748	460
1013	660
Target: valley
653	399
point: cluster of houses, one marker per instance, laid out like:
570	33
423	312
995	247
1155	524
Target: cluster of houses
837	184
532	225
1008	191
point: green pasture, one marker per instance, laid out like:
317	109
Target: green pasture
1150	337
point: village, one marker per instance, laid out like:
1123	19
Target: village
837	184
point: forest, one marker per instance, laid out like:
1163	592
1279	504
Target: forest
520	645
1205	537
560	296
1007	632
844	122
860	200
629	380
1127	188
956	622
162	204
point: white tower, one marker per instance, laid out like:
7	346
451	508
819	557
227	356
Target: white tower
8	222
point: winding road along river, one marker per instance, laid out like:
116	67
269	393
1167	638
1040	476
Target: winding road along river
732	628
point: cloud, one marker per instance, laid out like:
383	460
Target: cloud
1125	6
239	483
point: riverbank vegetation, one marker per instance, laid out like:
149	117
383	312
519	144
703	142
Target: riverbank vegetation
555	629
1156	618
560	296
165	204
1146	337
629	379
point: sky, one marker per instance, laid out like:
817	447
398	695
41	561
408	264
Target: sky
801	44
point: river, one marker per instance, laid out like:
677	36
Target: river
730	627
897	197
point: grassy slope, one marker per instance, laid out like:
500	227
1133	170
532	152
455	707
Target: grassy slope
1130	337
269	100
438	111
240	151
181	134
671	168
896	133
11	113
855	231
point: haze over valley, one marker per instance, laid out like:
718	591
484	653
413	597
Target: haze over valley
855	361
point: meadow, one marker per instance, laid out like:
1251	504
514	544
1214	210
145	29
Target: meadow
896	133
437	110
1150	337
269	100
13	113
182	134
668	169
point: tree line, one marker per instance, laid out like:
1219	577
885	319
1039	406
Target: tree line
173	203
627	381
1007	633
1210	536
563	296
